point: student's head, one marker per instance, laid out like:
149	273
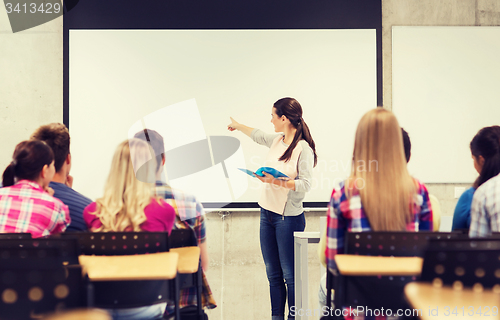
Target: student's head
155	140
406	144
379	171
125	196
32	160
289	109
485	149
56	135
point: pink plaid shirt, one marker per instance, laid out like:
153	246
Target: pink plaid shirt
26	207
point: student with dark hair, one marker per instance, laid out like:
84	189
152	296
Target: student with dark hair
189	214
485	150
406	144
436	207
291	151
26	201
56	135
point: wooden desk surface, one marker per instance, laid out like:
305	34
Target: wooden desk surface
189	259
356	265
83	314
440	303
154	266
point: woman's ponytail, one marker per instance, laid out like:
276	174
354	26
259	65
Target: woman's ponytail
291	108
29	158
9	174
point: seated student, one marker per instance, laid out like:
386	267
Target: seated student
436	208
485	209
485	149
26	201
434	205
189	215
56	135
128	205
380	194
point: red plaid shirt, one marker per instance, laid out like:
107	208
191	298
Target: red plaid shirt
26	207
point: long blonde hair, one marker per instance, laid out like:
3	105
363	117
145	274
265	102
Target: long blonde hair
379	172
126	194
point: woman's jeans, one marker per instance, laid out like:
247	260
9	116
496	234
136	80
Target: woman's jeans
277	245
142	313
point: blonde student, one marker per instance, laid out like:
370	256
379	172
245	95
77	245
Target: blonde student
380	197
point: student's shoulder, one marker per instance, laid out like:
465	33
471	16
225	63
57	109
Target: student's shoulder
491	184
63	191
159	205
420	186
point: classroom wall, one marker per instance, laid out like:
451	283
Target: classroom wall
31	91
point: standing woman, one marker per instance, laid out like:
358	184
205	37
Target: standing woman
26	201
291	151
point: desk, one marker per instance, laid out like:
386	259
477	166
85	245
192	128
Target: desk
154	266
433	302
189	259
90	314
356	265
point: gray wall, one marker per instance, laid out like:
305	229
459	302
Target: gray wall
31	94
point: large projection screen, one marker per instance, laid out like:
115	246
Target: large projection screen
445	87
187	83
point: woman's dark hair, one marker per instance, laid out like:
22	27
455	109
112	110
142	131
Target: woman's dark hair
486	143
28	161
290	108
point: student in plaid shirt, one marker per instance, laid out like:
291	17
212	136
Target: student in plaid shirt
26	201
189	214
380	194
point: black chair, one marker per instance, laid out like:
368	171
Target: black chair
469	263
186	238
126	294
15	235
362	290
65	250
33	280
119	243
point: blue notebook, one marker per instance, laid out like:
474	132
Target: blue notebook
275	173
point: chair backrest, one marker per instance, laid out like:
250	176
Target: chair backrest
35	289
366	290
66	251
15	235
389	243
463	263
182	238
120	243
124	294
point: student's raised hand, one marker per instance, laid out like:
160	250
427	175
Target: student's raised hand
49	190
233	125
69	181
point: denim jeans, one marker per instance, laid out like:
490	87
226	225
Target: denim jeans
142	313
277	246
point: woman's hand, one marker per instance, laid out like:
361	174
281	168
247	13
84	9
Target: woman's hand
233	125
282	182
69	181
267	178
49	190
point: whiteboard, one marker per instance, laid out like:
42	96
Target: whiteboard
194	80
445	87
